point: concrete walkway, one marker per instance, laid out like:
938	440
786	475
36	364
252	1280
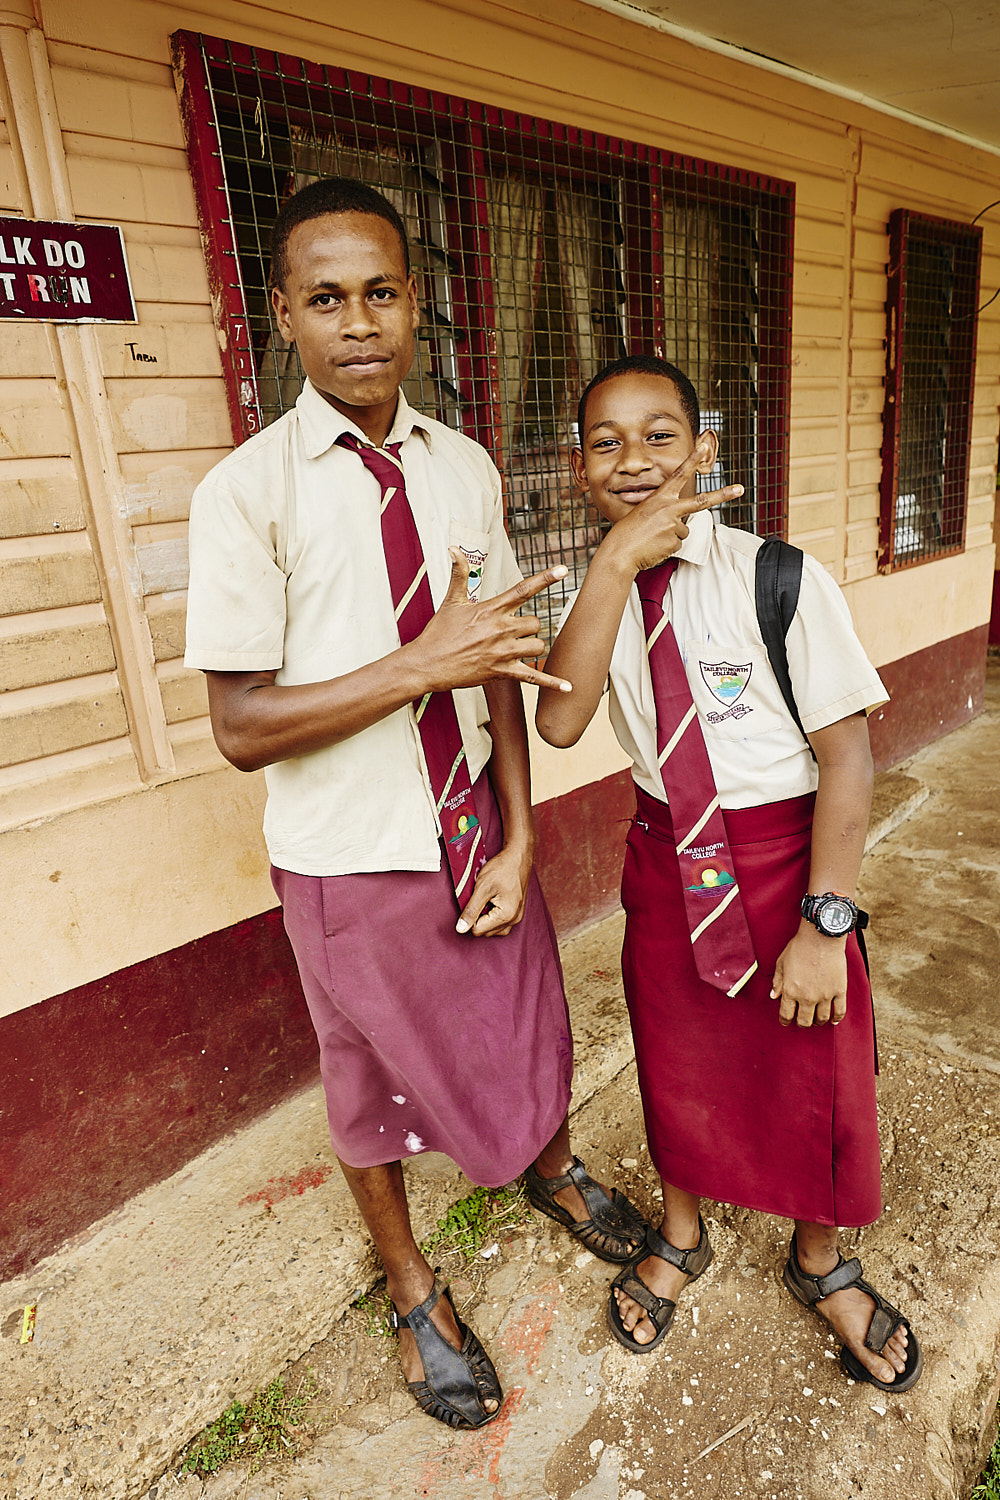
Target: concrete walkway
209	1284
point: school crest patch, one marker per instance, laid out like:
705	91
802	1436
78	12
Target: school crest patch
727	683
476	560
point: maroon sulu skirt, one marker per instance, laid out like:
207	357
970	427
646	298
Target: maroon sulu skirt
739	1108
430	1040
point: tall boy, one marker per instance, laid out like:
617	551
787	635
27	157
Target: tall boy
353	600
740	870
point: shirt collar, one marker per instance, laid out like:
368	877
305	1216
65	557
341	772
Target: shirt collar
322	424
698	542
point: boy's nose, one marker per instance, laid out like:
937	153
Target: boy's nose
359	321
632	460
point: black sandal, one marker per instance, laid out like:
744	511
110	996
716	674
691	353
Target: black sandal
615	1228
456	1382
659	1310
886	1319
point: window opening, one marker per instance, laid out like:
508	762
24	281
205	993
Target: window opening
930	365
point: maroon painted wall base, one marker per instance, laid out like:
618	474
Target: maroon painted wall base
113	1086
994	636
581	845
931	692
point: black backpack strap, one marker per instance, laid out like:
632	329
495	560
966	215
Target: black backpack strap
778	579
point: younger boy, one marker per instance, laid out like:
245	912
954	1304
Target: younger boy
352	651
722	954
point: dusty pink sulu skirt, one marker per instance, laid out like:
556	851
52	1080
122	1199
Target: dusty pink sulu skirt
739	1108
431	1041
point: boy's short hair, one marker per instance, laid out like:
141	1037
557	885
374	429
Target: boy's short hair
329	195
644	364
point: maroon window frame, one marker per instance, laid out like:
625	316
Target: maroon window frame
474	131
931	325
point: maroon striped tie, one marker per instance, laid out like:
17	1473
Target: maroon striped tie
436	717
723	951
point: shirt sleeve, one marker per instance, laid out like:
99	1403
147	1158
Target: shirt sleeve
236	593
832	677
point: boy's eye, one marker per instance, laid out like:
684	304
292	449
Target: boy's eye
323	299
660	437
383	294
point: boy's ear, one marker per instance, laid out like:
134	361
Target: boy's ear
578	467
280	304
708	450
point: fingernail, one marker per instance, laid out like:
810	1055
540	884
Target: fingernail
565	687
560	571
462	925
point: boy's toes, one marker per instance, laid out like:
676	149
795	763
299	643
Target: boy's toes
885	1366
634	1320
896	1349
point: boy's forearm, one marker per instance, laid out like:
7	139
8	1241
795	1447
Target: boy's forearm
843	805
257	723
510	771
581	653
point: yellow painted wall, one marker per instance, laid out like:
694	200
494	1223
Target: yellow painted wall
107	769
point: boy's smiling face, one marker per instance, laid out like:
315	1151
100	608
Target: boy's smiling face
636	435
351	310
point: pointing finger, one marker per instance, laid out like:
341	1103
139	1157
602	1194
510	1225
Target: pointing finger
524	673
710	498
529	587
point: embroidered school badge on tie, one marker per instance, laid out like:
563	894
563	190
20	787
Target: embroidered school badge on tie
458	823
727	683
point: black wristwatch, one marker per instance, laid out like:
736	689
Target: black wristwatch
833	914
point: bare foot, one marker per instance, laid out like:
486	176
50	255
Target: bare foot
663	1279
406	1294
849	1314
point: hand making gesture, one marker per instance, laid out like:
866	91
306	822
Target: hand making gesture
466	644
649	511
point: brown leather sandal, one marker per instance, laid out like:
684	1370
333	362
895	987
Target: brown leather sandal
615	1229
886	1319
456	1382
659	1310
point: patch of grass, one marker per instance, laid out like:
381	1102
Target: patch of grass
469	1224
268	1423
374	1307
484	1215
988	1487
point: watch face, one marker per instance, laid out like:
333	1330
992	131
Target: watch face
835	917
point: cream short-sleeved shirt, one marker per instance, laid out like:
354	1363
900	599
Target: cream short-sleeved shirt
288	572
757	753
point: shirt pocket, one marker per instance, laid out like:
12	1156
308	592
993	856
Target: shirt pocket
734	690
476	546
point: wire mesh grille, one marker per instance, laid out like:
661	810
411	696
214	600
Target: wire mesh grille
933	292
541	253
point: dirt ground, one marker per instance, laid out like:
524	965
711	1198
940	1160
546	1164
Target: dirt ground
745	1398
206	1286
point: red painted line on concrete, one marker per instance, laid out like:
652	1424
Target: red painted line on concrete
278	1188
477	1457
526	1335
